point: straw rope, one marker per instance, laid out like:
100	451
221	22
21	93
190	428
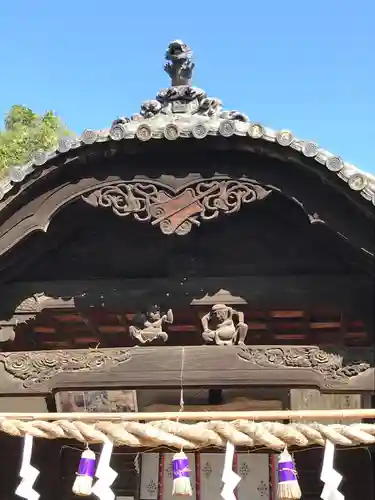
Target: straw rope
270	435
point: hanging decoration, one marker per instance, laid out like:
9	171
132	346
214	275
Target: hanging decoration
105	474
229	477
288	487
181	475
329	476
28	473
86	471
153	433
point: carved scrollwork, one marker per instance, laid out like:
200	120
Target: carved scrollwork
176	212
35	368
329	365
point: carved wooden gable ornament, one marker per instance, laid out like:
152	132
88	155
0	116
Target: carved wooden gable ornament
177	210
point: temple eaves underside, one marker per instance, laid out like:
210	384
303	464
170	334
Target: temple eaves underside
186	112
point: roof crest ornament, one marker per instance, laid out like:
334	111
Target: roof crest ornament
181	98
179	65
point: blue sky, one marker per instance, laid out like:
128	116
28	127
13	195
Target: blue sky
305	66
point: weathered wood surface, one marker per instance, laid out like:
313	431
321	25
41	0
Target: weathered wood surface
312	399
286	290
355	465
166	366
238	404
22	302
68	184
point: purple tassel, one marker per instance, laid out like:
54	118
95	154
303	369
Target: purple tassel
288	487
181	475
85	476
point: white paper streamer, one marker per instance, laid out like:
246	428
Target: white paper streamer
105	474
28	473
229	478
329	476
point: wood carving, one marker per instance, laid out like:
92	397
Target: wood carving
35	368
24	312
176	211
42	372
331	366
149	326
219	327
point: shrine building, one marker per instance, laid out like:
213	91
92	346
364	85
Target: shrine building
186	248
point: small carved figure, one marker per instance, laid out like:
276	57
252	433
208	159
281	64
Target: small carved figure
179	65
149	326
219	327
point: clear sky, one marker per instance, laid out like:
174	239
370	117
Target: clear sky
307	66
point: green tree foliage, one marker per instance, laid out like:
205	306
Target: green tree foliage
26	132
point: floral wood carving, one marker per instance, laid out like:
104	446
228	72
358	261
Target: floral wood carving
176	212
329	365
35	368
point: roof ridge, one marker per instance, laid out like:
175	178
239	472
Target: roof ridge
183	111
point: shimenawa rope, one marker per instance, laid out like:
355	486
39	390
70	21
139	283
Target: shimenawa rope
270	435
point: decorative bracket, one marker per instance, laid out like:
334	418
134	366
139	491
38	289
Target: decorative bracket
176	211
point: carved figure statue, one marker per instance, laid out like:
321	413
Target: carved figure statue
219	327
149	326
179	65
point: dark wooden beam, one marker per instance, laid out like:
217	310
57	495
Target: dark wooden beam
260	291
43	372
22	301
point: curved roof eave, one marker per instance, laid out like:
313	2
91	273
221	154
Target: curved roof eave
183	111
174	126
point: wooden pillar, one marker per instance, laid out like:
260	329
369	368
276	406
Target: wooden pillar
355	465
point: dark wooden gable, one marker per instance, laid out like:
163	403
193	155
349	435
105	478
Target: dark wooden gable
272	237
169	169
256	253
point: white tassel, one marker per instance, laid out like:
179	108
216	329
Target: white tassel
86	471
181	475
288	487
